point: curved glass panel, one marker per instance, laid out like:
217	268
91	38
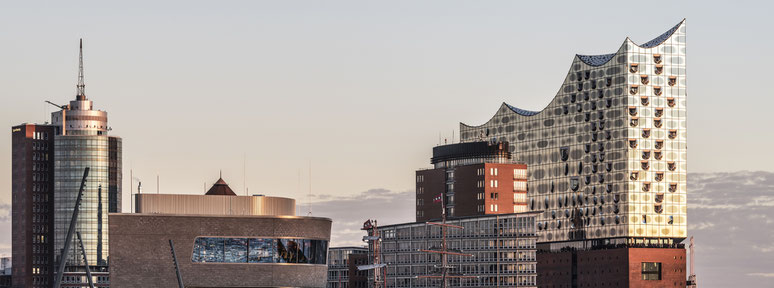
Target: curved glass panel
259	250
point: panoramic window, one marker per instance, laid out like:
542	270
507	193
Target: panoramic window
259	250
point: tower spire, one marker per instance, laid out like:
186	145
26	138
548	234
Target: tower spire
81	87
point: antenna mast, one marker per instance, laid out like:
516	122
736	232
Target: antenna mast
81	87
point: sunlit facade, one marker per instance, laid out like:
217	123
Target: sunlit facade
607	156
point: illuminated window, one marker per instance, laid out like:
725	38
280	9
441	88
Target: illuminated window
259	250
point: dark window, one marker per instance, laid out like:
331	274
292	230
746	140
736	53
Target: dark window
564	152
644	79
573	98
574	184
633	68
657	58
651	271
659	69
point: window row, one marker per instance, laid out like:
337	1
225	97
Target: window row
259	250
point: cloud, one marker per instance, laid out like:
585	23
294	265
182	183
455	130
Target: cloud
5	212
766	275
349	212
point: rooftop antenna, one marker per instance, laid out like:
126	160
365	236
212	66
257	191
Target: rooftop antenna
81	87
310	188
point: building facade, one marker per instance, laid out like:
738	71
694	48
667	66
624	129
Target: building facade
48	164
607	157
476	178
503	248
218	242
32	192
342	267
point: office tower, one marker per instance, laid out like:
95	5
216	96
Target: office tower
32	187
342	267
476	178
220	240
607	163
48	162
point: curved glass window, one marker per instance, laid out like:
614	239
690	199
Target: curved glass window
259	250
671	102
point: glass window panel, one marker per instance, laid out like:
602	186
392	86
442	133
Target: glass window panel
235	250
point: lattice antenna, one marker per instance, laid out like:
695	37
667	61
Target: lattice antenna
81	87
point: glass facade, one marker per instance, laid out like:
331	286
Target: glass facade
259	250
589	144
503	248
73	153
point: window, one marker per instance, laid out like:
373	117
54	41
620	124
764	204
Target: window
644	100
493	171
645	165
634	68
657	154
651	271
657	90
672	80
659	176
259	250
634	121
634	176
672	187
672	133
608	81
633	89
646	187
574	183
659	69
573	98
659	144
657	58
632	111
632	143
671	166
657	122
646	133
644	79
659	112
645	154
671	102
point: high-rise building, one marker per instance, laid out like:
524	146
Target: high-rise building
32	192
476	178
607	163
48	164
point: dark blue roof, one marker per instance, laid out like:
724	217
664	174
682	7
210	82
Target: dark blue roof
661	38
596	60
522	111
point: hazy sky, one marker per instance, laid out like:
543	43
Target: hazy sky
361	89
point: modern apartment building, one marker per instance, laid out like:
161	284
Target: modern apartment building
476	178
607	162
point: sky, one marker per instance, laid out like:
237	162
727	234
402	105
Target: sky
355	93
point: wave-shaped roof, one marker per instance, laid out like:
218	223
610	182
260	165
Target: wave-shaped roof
661	38
522	111
599	60
596	60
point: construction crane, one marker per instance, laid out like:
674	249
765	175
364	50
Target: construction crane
63	256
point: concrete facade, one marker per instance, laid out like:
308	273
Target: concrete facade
141	256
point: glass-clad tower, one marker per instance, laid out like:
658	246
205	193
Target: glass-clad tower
607	157
82	141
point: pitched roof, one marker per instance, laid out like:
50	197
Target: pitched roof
220	188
